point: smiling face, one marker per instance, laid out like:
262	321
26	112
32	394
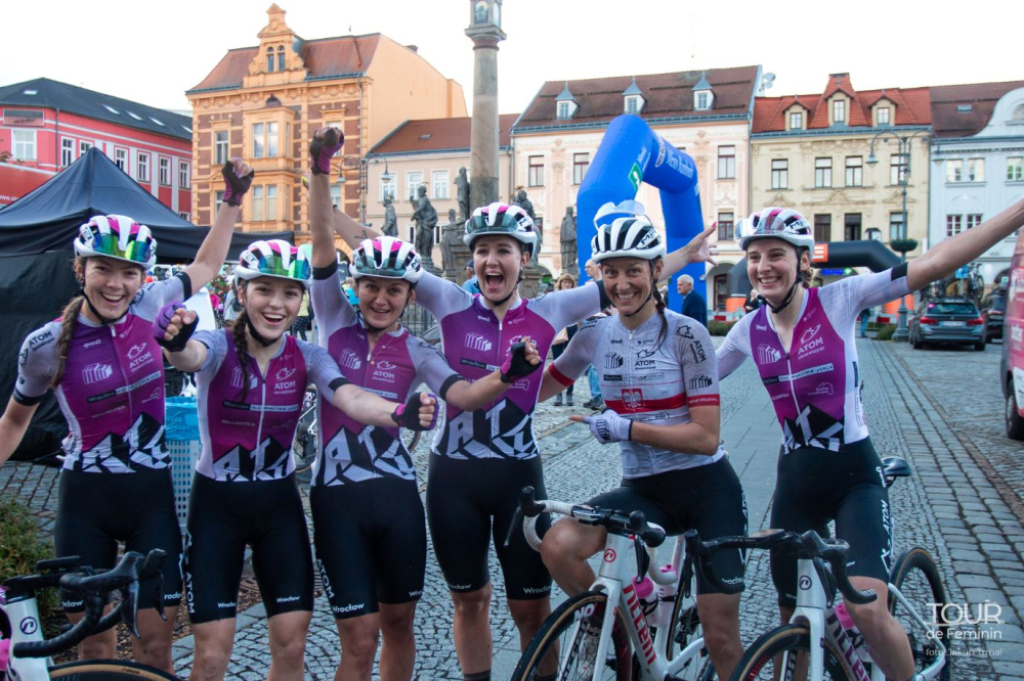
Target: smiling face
629	282
382	300
498	260
772	267
111	286
272	304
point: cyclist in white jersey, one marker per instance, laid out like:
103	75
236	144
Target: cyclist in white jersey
802	341
660	384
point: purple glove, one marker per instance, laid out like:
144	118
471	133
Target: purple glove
163	320
235	187
516	366
408	415
322	150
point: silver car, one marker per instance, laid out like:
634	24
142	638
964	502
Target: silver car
947	320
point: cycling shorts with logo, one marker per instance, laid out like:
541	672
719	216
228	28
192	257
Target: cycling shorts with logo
371	543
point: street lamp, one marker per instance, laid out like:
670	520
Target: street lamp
902	177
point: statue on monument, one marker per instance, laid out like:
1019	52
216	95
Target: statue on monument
568	240
451	237
462	187
425	216
390	219
523	202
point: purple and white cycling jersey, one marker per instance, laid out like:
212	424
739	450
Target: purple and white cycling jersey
815	386
112	391
350	451
247	435
477	344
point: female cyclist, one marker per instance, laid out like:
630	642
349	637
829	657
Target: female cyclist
660	383
802	341
252	379
370	534
107	372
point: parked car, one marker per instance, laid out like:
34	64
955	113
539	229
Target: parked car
993	309
947	320
1012	365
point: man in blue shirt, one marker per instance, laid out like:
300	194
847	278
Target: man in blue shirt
693	304
471	284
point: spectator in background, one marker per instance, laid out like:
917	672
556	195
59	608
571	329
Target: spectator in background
596	401
232	308
694	305
350	291
472	284
565	281
752	302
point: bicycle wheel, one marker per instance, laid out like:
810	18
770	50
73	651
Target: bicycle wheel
685	630
917	578
108	670
760	659
563	635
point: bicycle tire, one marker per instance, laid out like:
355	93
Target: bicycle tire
108	670
685	630
758	661
917	577
560	622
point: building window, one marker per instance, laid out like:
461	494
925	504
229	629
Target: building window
280	58
270	60
822	228
727	163
882	115
703	101
822	172
165	171
838	111
854	171
121	158
852	224
218	201
874	234
954	225
896	225
336	194
954	170
975	170
796	120
142	168
257	140
184	216
780	173
220	147
183	175
973	220
271	212
387	187
413	182
898	169
271	140
535	172
564	111
257	203
24	143
580	164
726	224
83	147
633	105
1015	169
67	152
439	178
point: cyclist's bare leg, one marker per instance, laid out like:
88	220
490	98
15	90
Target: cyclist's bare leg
398	653
102	646
359	637
720	620
287	633
154	647
472	626
890	647
566	548
214	641
529	615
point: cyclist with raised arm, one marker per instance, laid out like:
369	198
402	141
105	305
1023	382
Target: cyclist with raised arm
802	341
660	383
371	541
251	382
107	373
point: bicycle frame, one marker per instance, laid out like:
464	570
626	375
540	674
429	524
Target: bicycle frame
23	616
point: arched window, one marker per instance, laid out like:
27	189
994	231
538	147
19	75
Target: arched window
280	58
270	60
1018	113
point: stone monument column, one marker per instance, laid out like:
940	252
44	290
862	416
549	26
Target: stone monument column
485	32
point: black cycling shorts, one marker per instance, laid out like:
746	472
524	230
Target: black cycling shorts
468	500
97	510
371	543
224	518
708	499
816	486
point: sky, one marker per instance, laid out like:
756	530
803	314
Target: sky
153	52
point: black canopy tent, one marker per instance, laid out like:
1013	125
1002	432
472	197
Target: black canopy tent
36	279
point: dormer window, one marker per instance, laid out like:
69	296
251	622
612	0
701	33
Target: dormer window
882	116
703	101
796	120
703	97
565	104
633	104
838	111
270	60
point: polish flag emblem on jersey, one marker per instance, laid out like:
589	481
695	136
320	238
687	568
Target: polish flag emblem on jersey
633	398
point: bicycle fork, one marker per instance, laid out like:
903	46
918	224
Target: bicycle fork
23	615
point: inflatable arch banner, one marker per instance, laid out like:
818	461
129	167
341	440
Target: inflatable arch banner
631	153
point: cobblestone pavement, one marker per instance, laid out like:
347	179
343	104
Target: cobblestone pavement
940	409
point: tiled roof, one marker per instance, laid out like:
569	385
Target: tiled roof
342	56
438	134
52	94
949	102
666	95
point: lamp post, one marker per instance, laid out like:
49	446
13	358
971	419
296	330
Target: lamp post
903	177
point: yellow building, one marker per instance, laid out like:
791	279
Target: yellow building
263	104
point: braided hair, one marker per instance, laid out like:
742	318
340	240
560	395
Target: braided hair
68	318
241	341
659	305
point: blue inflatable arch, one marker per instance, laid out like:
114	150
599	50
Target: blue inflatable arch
631	153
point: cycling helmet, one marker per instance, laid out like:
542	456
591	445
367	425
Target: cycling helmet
500	218
386	257
118	237
777	223
274	258
627	237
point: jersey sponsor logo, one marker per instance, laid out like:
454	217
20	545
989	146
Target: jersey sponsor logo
812	347
225	606
288	599
697	350
760	327
617	341
704	400
23	357
612	377
94	373
474	341
478	365
385	365
92	344
350	360
284	386
650	376
766	354
138	359
811	371
284	373
699	382
684	331
809	334
41	339
381	375
135	350
633	398
536	590
823	389
644	353
612	360
237	380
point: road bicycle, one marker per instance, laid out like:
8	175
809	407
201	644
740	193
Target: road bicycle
815	644
593	641
23	655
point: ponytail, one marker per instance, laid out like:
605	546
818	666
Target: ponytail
241	341
659	305
68	319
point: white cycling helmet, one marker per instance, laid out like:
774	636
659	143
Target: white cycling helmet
777	223
501	219
627	237
274	258
386	257
118	237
